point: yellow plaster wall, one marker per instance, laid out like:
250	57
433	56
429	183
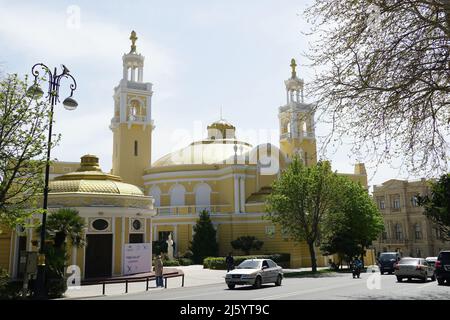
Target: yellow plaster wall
5	249
125	164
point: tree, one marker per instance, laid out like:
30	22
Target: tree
353	223
437	205
301	197
247	243
204	243
62	225
23	144
384	77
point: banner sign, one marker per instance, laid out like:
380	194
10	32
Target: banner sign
137	258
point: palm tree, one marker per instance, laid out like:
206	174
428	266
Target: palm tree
66	223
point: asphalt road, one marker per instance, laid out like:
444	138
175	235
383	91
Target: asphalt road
335	287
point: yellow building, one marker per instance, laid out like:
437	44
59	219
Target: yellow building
407	229
221	173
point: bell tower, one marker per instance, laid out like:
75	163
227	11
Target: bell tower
132	124
297	134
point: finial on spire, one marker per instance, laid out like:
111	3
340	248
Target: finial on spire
133	39
293	65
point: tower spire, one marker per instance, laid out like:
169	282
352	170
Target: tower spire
293	66
133	39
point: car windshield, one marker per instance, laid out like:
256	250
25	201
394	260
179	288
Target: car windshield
387	257
409	261
249	264
444	257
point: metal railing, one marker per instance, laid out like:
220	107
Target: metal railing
176	210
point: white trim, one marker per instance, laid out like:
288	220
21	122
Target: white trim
113	245
215	222
236	194
203	173
153	182
242	195
122	243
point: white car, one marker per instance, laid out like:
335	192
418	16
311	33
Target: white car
255	272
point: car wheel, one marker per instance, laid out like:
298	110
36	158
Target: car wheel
278	282
440	281
231	286
399	279
257	283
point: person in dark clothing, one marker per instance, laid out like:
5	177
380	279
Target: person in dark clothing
230	262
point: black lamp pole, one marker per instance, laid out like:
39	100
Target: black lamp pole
35	91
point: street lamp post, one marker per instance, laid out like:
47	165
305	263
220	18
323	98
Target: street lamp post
69	103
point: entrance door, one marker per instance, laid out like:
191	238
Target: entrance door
98	255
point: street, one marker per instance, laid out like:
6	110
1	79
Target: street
335	287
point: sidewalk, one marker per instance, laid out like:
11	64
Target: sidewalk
194	275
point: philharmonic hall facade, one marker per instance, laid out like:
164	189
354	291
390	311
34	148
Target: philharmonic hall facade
221	173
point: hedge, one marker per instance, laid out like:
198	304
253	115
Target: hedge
218	263
185	261
171	263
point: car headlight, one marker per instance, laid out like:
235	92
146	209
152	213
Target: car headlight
228	276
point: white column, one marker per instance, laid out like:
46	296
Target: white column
123	107
287	96
140	74
154	233
133	74
298	95
125	72
122	241
149	108
236	194
74	255
242	187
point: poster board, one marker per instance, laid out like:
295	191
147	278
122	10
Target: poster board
137	258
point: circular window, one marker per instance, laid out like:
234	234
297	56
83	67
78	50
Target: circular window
136	225
100	224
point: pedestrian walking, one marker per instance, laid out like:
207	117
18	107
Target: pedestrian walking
229	262
159	272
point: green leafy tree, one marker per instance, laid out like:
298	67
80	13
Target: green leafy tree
247	243
437	205
301	197
23	145
353	223
383	77
62	225
204	243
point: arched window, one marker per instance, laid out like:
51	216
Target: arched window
155	192
177	193
202	197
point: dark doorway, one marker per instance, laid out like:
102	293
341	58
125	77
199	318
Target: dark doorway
98	255
136	238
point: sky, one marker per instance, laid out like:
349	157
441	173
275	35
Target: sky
201	56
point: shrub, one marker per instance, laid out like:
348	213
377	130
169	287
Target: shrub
188	254
246	243
185	261
218	263
171	263
9	290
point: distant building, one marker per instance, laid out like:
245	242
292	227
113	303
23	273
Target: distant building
407	229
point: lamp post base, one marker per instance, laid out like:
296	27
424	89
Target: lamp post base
40	290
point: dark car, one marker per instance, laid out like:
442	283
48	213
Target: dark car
387	261
442	267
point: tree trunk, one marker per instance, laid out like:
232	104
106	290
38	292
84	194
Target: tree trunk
312	253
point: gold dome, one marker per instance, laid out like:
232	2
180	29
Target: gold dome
90	179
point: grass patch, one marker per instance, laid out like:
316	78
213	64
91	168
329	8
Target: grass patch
309	274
